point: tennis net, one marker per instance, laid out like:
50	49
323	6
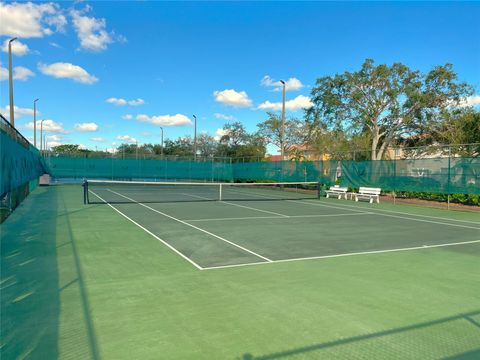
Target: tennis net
123	192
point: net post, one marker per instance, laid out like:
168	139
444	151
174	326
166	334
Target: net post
220	192
319	190
85	192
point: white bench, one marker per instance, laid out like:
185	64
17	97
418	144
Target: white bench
369	194
336	191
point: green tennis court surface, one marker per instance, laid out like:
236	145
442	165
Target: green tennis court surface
250	277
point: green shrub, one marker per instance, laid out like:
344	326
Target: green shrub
465	199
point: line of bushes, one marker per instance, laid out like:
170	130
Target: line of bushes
465	199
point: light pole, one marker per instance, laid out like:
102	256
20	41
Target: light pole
41	135
195	140
10	78
282	130
35	122
161	149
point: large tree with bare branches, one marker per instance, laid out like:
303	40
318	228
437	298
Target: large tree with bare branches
385	101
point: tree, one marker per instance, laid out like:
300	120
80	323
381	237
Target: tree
385	101
206	145
183	146
271	130
237	142
67	148
460	126
127	149
234	134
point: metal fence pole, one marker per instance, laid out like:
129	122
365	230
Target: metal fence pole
449	176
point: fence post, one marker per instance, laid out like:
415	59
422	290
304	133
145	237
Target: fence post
394	180
449	176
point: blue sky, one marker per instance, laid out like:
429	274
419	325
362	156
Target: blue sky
110	72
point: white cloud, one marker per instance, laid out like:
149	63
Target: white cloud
232	98
19	112
219	133
22	73
126	139
127	117
27	20
165	120
91	31
300	102
224	117
51	144
122	102
18	48
48	126
470	101
51	138
68	71
291	84
86	127
97	139
136	102
19	73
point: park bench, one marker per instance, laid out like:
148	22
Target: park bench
337	191
368	194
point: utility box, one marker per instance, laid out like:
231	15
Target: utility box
44	180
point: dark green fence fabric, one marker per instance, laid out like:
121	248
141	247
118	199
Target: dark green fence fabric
439	175
20	163
323	171
130	169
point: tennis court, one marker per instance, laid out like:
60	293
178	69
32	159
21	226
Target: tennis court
258	224
84	281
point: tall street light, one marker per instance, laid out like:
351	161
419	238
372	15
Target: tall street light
161	149
282	130
10	77
195	140
35	122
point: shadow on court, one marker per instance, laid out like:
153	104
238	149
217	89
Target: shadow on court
30	302
43	296
470	319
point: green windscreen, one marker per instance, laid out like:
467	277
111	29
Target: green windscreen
439	175
21	166
129	169
322	171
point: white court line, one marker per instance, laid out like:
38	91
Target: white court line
241	206
419	215
278	217
347	207
149	232
401	217
298	201
193	226
346	254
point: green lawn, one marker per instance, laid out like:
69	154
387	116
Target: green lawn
84	282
